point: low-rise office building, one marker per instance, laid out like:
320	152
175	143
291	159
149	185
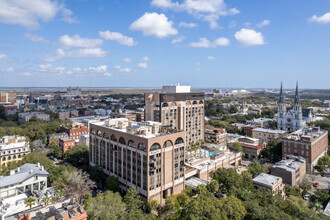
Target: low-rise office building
273	183
144	155
28	179
25	117
292	170
309	143
267	134
13	148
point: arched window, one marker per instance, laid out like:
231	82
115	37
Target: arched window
179	141
92	131
122	140
142	147
201	102
155	146
106	135
168	144
165	105
131	143
113	138
194	103
99	133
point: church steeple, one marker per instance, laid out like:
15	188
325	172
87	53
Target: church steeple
281	94
296	97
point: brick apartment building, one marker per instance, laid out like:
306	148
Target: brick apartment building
66	143
144	155
75	130
63	115
8	97
55	137
6	108
309	143
218	135
248	129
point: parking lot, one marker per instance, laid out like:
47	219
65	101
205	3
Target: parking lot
324	182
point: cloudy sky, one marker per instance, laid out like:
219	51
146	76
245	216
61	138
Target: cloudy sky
148	43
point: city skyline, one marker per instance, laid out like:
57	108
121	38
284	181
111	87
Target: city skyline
202	43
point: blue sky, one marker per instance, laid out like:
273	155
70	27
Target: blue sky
149	43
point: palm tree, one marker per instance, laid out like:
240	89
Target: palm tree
30	202
46	200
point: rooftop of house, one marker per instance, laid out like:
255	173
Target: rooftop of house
266	179
146	129
269	131
290	165
21	174
306	134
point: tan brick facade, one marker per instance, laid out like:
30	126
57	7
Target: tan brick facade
153	165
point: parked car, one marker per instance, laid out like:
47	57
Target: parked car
99	191
323	174
316	184
306	197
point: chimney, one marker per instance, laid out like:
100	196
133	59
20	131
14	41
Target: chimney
42	168
38	165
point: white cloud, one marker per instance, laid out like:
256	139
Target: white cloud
85	52
117	67
10	69
263	23
211	58
127	60
122	39
67	16
99	69
198	64
145	59
77	41
204	42
29	13
178	40
3	56
107	74
35	38
187	25
324	19
27	74
126	70
249	37
154	24
207	10
143	65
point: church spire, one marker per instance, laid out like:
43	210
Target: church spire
296	97
281	94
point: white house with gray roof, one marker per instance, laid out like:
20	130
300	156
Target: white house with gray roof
28	178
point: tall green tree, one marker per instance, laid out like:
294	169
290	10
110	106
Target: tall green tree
113	184
133	200
255	168
107	205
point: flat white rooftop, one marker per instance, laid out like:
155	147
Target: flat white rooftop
266	179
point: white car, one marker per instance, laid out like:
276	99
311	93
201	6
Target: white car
306	197
99	191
